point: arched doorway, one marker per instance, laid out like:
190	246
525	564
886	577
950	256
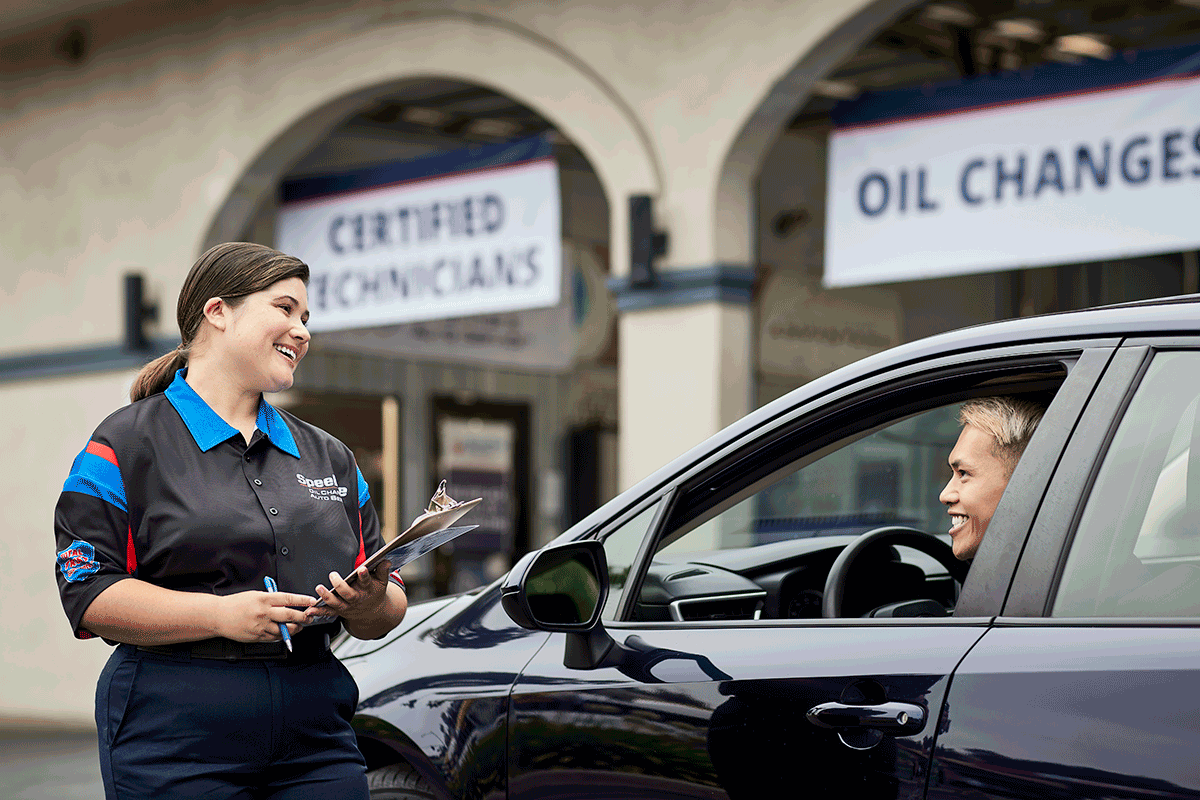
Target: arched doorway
934	50
412	398
343	75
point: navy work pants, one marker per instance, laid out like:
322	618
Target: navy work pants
174	726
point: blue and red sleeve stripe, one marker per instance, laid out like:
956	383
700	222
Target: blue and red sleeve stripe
95	472
364	494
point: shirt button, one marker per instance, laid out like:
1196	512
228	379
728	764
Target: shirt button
257	482
273	510
283	551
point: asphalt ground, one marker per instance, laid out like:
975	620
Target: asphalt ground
41	765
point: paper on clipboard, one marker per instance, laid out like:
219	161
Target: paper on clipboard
427	532
416	548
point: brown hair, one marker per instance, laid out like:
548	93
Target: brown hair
230	271
1010	421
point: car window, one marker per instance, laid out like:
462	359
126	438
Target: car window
766	554
1136	551
620	549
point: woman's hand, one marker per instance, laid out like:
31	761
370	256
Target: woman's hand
359	600
370	607
135	612
255	616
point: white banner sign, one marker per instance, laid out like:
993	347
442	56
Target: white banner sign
482	242
551	339
1095	176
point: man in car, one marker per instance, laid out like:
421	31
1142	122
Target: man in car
994	435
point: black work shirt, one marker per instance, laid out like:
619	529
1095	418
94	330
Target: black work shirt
168	492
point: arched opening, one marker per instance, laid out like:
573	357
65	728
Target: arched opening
973	52
501	403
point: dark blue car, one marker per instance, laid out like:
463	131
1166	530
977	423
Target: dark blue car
777	612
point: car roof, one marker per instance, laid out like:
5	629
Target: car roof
1178	314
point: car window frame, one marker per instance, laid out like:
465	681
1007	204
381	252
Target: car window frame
1041	567
663	501
1085	360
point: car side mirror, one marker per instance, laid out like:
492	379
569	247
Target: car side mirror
562	588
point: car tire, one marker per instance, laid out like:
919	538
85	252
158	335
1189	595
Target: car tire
398	782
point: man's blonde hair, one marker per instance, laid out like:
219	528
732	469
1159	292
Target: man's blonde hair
1010	421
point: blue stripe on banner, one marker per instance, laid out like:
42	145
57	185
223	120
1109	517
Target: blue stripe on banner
91	474
439	165
1044	80
364	493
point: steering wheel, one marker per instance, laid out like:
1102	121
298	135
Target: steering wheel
835	583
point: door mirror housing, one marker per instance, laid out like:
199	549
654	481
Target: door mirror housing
562	588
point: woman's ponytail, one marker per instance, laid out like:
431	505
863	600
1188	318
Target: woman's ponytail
156	376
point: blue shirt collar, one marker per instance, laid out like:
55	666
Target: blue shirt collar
209	430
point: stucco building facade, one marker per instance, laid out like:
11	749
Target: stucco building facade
136	134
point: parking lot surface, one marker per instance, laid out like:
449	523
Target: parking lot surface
43	765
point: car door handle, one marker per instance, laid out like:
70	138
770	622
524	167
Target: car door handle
893	717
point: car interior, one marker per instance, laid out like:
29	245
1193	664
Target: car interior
756	536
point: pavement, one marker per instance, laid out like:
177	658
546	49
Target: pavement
49	765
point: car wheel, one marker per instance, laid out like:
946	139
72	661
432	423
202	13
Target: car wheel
398	782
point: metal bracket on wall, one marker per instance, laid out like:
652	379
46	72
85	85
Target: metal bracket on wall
137	313
645	244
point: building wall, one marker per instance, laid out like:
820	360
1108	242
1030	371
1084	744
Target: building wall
45	673
128	159
180	119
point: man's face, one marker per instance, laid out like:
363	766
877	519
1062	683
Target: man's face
974	490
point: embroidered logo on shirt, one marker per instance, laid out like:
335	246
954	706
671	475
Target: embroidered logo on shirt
78	561
322	488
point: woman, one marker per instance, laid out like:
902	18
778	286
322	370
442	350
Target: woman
173	518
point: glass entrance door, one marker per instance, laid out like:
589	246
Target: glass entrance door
482	451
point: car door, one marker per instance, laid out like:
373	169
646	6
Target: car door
716	589
1086	686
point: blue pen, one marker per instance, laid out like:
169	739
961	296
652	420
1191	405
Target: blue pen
287	637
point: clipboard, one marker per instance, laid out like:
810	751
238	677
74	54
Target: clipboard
430	530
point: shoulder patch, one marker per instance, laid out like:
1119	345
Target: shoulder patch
78	561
